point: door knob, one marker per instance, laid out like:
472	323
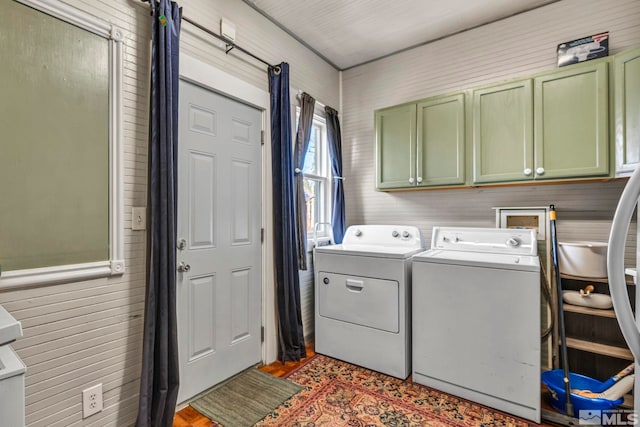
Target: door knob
182	244
540	171
411	180
527	172
419	179
183	267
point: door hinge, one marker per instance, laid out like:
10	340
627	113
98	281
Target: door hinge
262	235
261	137
261	333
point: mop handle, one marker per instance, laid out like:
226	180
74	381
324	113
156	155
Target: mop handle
561	329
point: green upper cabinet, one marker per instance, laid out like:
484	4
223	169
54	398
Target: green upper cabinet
440	144
626	67
502	135
396	146
571	122
421	144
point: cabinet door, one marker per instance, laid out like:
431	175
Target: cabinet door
627	110
503	133
440	148
395	146
571	122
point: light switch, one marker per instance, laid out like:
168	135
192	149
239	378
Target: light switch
139	218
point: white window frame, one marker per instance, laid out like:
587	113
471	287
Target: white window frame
323	236
115	265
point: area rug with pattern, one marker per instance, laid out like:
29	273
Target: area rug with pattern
336	393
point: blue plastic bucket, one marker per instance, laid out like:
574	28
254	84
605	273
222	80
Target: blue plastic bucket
554	380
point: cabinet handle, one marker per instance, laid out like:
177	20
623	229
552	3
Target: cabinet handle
411	181
419	179
527	172
540	171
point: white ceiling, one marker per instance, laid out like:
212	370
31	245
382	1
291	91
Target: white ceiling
347	33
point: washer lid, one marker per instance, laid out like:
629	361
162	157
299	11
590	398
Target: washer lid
10	328
480	259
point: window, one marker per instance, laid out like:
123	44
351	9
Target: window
60	103
317	181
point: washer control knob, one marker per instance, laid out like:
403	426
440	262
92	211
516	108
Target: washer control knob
405	234
358	233
514	242
395	233
326	280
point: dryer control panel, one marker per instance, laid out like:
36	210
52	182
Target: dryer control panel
384	236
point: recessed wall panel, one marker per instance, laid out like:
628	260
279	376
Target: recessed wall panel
202	120
241	215
202	201
240	313
201	316
241	131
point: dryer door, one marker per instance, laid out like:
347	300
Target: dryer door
360	300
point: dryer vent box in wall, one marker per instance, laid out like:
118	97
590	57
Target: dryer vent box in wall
228	29
524	218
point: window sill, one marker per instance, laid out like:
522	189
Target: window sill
59	274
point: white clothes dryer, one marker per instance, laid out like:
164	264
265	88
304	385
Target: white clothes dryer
362	297
476	317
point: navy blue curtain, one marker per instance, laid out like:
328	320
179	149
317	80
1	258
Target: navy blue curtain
334	139
159	379
303	137
290	334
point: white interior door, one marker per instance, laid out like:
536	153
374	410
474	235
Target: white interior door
219	238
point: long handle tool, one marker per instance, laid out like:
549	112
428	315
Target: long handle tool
561	331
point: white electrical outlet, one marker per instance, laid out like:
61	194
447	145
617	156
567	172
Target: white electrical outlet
92	400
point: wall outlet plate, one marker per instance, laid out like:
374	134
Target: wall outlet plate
92	400
139	218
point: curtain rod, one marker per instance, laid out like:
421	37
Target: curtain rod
229	44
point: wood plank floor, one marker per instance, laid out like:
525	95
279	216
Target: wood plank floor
189	417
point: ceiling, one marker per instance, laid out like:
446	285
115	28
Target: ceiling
347	33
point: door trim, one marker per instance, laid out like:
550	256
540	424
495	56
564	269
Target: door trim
205	75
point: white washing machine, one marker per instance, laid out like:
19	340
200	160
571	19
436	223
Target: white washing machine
476	317
362	297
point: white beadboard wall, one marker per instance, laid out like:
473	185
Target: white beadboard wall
307	301
80	334
515	47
